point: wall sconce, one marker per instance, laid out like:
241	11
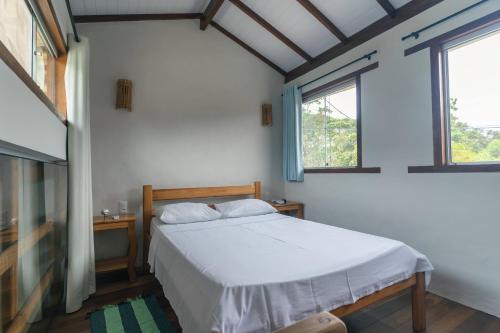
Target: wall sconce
124	95
267	115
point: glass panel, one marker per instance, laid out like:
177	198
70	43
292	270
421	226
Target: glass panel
16	30
330	129
33	243
43	65
313	133
474	111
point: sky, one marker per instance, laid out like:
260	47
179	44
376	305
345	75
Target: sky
474	78
344	100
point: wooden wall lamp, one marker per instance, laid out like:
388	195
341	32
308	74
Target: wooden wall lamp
267	115
124	95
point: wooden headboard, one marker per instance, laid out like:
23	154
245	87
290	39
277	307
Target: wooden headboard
150	195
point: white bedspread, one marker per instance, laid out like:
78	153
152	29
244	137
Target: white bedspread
260	273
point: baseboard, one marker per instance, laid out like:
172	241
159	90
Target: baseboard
480	302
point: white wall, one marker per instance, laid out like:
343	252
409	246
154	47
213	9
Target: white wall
452	218
196	114
25	121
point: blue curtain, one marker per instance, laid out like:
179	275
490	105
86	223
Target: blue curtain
293	169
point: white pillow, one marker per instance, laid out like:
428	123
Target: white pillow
245	207
186	212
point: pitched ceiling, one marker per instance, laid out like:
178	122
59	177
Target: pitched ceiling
292	35
121	7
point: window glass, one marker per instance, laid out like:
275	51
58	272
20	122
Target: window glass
22	36
473	71
16	30
33	214
330	129
43	65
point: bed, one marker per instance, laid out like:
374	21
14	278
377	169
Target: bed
261	273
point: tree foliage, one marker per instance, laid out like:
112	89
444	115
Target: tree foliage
471	144
330	141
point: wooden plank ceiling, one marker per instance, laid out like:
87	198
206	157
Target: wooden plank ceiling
292	36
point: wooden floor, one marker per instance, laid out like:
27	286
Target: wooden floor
392	316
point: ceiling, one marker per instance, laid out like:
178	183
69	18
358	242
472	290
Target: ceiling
120	7
305	36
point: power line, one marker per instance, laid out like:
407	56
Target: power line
342	113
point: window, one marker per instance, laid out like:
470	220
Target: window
33	215
471	72
44	65
23	34
330	128
465	109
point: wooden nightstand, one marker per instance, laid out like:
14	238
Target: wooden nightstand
290	208
126	262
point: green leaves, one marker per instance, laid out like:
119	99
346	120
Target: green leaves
470	144
329	141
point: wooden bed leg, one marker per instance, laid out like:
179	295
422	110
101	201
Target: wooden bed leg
418	303
147	215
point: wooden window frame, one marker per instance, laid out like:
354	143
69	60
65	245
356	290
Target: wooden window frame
329	87
58	106
440	116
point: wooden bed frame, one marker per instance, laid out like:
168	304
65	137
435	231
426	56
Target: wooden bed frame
416	282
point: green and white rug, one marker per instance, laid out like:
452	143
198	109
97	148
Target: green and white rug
138	315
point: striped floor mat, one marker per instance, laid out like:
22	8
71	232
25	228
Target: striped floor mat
139	315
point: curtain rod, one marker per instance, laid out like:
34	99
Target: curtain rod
70	12
367	56
416	34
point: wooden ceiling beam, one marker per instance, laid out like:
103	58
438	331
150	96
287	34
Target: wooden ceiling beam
248	48
212	9
388	7
404	13
266	25
314	11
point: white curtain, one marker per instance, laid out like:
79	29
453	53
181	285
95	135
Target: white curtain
81	264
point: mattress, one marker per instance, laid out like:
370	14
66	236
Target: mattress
261	273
